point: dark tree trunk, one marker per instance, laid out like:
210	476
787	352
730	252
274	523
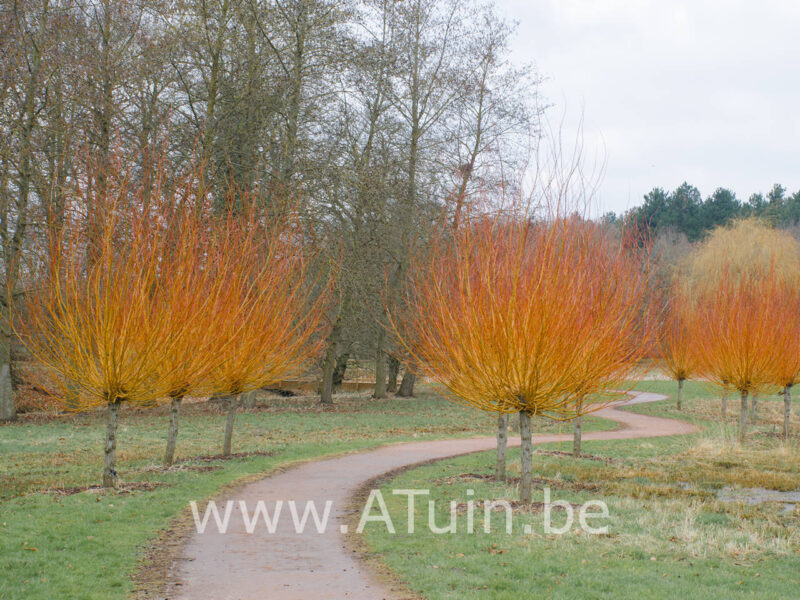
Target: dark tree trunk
724	404
380	368
502	443
329	364
577	436
680	394
7	410
172	433
340	369
394	371
109	468
407	384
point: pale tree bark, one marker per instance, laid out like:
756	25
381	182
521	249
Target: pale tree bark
233	404
172	433
787	410
680	394
526	449
743	419
577	436
250	399
724	404
502	444
109	468
754	408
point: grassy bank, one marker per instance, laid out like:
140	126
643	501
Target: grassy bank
669	536
59	539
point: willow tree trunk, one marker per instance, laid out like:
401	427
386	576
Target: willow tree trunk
407	384
109	468
724	405
502	444
526	451
394	371
680	394
743	419
754	408
233	404
577	436
172	433
787	410
250	399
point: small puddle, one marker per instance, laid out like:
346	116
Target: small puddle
759	495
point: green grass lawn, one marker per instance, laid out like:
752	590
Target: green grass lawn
87	545
669	536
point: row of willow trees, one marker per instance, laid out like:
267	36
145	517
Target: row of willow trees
156	294
732	318
155	299
513	307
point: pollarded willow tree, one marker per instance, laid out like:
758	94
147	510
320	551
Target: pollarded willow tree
516	315
736	339
787	369
740	286
154	297
90	317
275	310
676	343
191	294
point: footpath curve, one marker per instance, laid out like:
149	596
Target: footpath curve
287	565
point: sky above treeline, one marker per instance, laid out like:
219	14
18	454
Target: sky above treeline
704	91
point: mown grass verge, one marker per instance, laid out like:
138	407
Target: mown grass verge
669	535
59	538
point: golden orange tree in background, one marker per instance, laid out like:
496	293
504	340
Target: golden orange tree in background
786	374
745	247
737	341
676	343
741	285
511	314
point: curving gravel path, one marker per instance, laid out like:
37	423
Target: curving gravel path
286	565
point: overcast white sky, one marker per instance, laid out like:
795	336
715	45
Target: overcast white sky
706	91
